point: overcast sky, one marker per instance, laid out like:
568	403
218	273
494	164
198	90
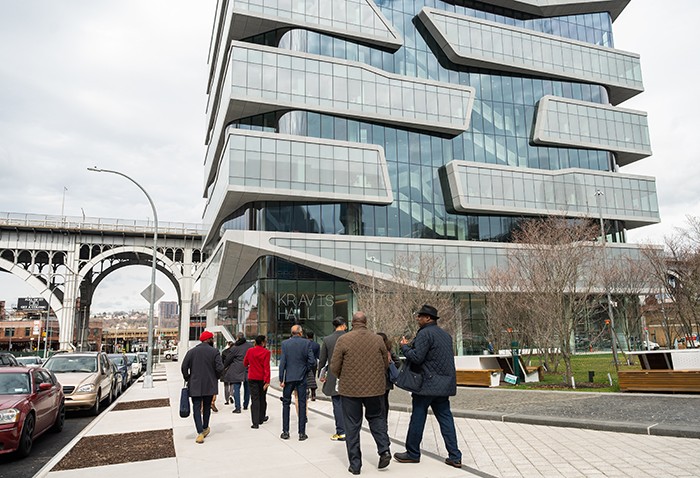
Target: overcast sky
121	85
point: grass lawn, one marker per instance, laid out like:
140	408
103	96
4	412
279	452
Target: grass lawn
601	364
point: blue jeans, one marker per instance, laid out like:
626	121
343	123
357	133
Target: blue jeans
289	387
201	405
237	394
441	410
338	415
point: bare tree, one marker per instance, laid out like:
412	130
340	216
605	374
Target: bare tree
390	304
677	268
554	275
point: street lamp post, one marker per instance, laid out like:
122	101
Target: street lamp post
598	195
148	378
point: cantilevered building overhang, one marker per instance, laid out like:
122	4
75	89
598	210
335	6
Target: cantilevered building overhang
260	166
261	79
355	257
479	43
580	124
560	8
493	189
357	20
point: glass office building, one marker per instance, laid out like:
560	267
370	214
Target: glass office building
343	134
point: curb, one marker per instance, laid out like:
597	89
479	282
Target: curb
46	469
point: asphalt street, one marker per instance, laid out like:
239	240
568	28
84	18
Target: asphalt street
45	447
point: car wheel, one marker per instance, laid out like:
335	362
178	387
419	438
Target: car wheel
26	440
60	419
96	407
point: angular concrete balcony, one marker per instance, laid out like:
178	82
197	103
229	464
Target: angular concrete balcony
479	43
560	8
479	188
580	124
356	257
262	79
356	20
257	166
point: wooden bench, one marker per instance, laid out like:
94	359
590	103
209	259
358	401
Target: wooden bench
659	380
479	378
539	369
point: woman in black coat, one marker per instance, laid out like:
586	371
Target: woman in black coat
392	358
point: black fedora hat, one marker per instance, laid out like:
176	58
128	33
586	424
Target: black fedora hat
428	310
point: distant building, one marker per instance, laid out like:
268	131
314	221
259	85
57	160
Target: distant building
2	310
168	309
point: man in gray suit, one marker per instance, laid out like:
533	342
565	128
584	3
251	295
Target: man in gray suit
329	383
201	369
297	359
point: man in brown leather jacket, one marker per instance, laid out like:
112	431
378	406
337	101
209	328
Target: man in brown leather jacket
360	363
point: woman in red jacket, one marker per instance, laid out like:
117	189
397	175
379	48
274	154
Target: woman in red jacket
257	359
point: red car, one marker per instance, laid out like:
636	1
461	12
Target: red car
31	402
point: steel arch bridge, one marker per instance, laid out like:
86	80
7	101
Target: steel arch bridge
65	259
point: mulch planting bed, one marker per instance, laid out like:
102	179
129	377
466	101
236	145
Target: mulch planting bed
138	404
101	450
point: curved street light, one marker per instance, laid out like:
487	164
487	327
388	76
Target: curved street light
148	378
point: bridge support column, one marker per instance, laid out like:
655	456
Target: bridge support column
70	296
186	284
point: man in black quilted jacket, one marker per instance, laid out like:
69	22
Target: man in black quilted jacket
431	351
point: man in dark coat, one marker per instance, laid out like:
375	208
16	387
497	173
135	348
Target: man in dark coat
360	361
431	351
329	382
236	372
201	369
296	360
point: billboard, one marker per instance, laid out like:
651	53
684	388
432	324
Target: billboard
32	303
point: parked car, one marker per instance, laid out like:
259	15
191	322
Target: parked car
170	354
143	357
135	365
31	402
652	345
124	366
30	361
86	378
8	360
117	384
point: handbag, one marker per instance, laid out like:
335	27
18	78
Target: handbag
408	379
393	372
184	402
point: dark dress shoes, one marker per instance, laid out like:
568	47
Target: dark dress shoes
455	463
254	426
405	458
353	471
384	460
284	436
303	437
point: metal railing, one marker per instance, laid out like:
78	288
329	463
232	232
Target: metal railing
41	221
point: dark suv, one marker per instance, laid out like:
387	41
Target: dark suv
8	360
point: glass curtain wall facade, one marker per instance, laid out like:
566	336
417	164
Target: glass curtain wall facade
500	132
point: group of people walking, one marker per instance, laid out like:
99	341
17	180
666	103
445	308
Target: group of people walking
353	369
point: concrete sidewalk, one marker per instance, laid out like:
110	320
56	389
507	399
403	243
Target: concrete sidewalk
490	448
233	447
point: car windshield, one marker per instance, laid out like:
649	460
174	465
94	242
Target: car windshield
14	383
28	360
68	364
133	358
117	359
